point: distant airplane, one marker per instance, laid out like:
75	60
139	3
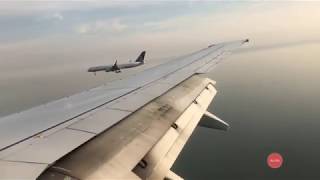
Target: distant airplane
117	67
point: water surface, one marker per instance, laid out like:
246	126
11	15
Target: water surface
270	97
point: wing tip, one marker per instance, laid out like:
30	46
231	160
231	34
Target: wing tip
243	41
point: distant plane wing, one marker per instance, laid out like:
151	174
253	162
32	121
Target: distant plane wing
130	128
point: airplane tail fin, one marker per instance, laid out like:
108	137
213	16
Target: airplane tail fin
141	57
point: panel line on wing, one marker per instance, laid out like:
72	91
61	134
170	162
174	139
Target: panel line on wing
73	129
27	162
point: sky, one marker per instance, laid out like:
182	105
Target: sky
50	37
270	85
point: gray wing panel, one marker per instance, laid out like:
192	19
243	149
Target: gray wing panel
47	150
20	170
17	127
99	121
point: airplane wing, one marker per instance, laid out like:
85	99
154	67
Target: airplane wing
130	128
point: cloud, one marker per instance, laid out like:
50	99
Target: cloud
57	16
27	7
108	26
262	22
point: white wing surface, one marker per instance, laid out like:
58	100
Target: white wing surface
129	128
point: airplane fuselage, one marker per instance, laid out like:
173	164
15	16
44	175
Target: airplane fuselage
117	67
111	68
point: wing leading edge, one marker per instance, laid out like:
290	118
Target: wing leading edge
62	126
